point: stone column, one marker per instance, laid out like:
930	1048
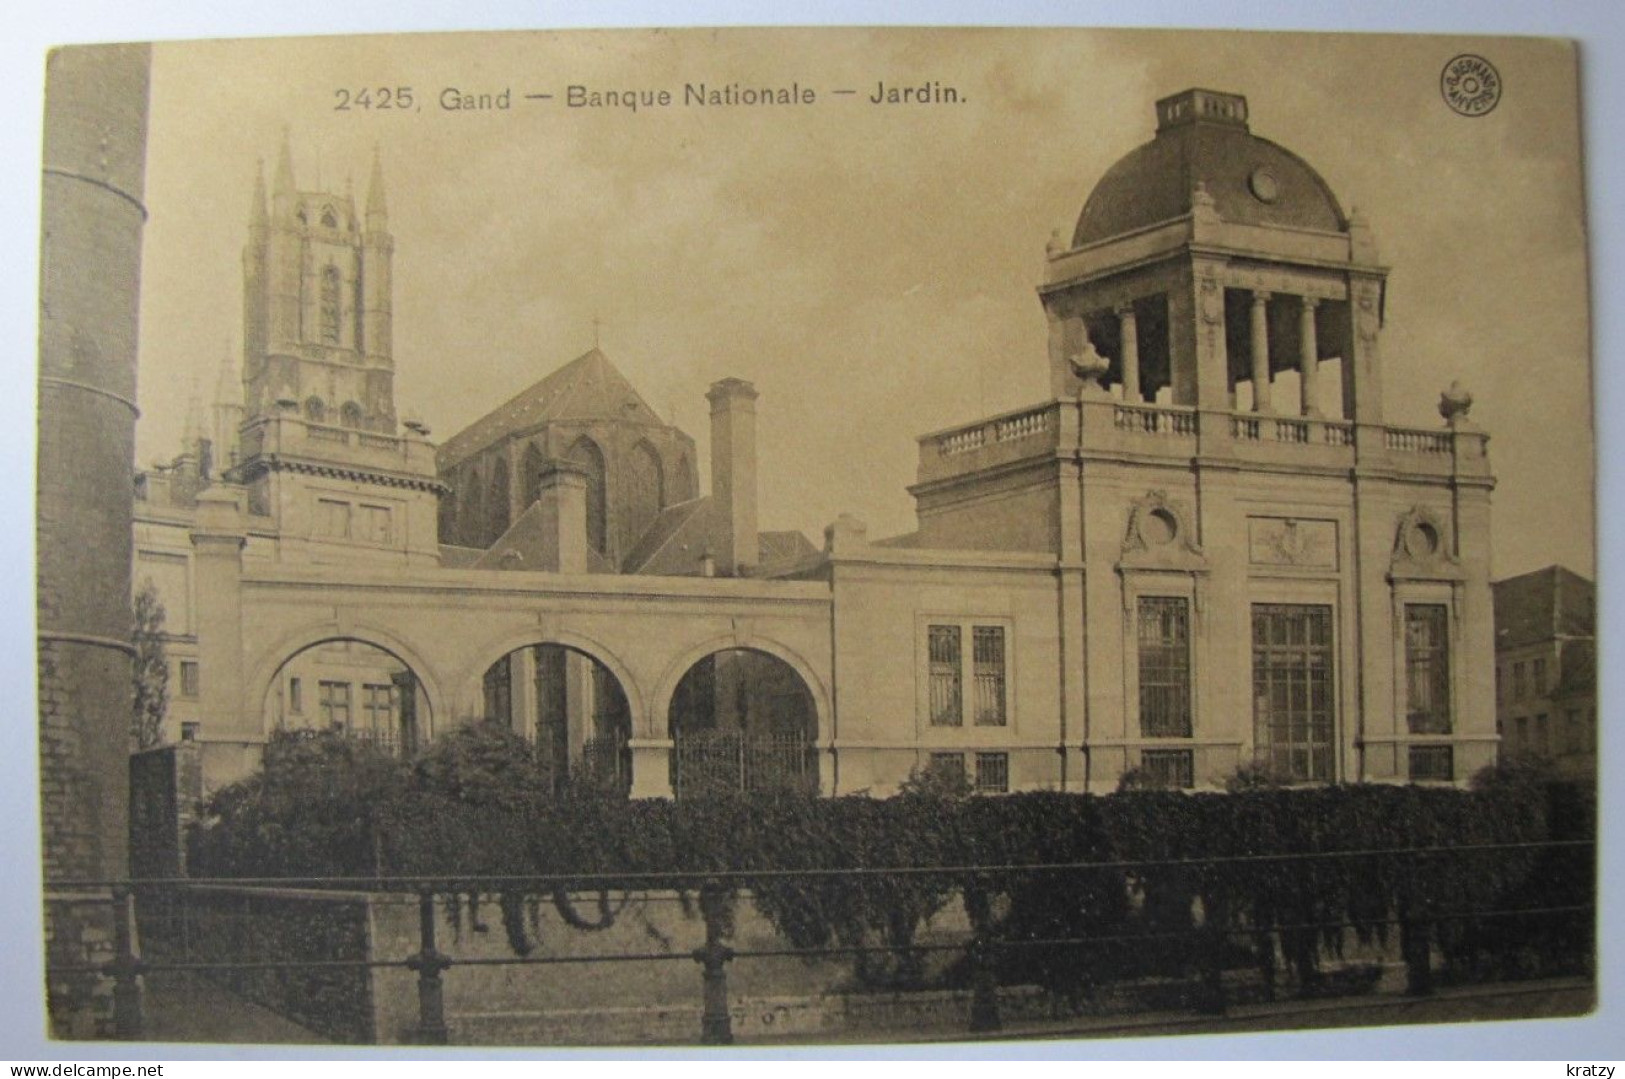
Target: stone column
1261	352
1309	359
1131	353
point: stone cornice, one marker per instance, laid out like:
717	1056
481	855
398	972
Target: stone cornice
277	463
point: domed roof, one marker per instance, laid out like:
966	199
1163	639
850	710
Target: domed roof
1202	138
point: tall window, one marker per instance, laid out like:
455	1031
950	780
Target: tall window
1539	674
330	305
586	453
334	701
375	525
296	695
1520	684
1165	667
1427	669
946	696
987	661
332	518
378	709
1292	691
189	678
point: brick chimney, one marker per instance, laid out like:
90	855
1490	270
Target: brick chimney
562	503
733	474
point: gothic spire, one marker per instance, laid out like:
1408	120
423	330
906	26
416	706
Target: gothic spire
377	212
284	166
256	210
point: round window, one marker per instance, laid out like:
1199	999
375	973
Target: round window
1264	185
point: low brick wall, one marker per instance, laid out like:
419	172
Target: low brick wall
211	923
650	1000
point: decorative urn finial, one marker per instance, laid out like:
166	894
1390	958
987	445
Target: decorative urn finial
1454	404
1054	246
1090	366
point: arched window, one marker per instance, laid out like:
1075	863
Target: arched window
350	414
532	475
473	512
587	454
682	485
645	489
315	410
497	505
330	304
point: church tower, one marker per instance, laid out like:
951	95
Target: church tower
317	445
316	303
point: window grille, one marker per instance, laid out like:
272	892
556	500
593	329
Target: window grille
947	708
1293	714
992	773
1171	768
987	647
1432	763
1427	669
948	765
1165	667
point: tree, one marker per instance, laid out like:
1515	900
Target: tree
150	675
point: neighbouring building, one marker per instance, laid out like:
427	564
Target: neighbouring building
92	222
1546	668
1206	549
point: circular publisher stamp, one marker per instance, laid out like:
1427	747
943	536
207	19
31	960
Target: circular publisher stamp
1470	85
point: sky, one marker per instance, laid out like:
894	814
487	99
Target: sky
871	268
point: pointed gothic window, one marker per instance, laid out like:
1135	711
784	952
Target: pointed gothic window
532	474
497	506
330	305
645	489
587	454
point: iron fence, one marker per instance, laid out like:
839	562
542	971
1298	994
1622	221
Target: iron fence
717	761
163	902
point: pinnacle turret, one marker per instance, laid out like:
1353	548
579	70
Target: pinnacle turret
377	211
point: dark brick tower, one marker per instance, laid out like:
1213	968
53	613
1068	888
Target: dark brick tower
95	160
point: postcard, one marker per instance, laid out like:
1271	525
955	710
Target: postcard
837	536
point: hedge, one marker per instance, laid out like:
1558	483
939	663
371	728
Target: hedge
476	805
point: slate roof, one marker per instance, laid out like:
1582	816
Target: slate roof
588	388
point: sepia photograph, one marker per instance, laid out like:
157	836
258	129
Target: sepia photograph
813	537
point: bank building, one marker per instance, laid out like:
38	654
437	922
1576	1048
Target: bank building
1206	550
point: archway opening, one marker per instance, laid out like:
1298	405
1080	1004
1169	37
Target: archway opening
355	688
742	720
571	707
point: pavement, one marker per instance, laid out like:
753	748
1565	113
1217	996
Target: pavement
183	1008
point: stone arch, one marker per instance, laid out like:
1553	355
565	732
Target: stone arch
674	672
469	683
590	456
290	645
